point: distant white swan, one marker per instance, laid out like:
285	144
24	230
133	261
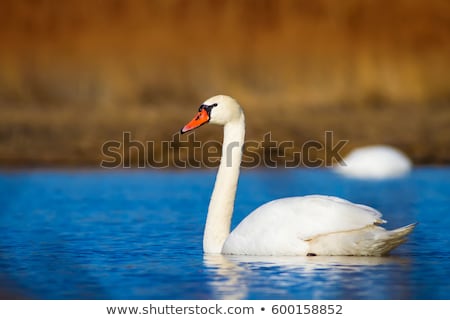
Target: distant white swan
311	225
375	162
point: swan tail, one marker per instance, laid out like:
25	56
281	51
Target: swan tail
393	239
369	241
403	231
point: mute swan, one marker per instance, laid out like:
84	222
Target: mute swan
375	162
310	225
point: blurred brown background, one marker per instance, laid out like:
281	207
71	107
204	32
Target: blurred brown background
76	73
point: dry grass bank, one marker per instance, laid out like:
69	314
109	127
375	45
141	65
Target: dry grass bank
75	74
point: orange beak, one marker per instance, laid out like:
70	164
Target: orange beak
201	118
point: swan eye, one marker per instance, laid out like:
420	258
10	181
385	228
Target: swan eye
207	107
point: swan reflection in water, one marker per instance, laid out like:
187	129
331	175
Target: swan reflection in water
300	277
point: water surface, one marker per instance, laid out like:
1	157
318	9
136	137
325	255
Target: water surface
137	234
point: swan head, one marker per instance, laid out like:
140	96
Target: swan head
219	109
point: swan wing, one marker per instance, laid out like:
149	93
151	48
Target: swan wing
284	226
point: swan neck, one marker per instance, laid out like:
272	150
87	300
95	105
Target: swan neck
221	206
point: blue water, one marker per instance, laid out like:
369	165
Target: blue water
137	234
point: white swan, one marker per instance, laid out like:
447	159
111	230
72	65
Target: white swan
375	162
311	225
